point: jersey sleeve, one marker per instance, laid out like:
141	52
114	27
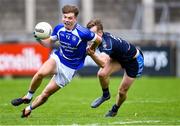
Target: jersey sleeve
86	34
54	35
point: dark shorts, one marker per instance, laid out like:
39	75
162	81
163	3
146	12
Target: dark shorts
135	66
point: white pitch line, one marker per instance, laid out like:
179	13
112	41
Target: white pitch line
136	122
125	122
151	101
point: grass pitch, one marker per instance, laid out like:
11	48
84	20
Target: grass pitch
151	101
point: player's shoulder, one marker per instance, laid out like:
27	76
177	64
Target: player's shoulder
82	29
107	35
58	26
110	37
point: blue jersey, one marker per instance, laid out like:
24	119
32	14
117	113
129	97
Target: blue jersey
73	43
117	48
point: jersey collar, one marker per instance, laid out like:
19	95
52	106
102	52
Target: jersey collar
72	29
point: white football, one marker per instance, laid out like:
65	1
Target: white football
43	30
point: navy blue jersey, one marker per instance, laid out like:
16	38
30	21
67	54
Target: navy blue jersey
117	48
125	53
73	43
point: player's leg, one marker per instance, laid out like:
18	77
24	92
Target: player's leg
111	66
123	89
48	68
122	94
63	76
104	73
133	69
50	89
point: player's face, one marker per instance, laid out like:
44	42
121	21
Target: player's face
69	20
94	29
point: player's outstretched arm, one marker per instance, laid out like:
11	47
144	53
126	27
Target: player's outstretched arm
97	58
46	42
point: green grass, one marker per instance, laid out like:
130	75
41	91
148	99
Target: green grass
151	101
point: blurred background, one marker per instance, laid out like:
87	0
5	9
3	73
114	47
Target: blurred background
152	25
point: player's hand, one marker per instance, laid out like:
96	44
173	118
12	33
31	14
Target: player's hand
37	39
90	51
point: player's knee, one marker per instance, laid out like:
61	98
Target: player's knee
40	75
101	74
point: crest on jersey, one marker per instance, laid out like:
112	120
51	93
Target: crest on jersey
104	45
73	38
107	45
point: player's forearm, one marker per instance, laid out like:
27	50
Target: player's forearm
98	60
96	43
46	42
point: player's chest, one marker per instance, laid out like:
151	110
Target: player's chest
69	39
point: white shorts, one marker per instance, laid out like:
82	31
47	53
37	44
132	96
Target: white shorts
64	74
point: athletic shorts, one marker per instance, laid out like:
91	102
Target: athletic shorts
64	74
134	67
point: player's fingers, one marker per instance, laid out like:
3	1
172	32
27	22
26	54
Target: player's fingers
89	51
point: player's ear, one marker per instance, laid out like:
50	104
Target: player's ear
75	17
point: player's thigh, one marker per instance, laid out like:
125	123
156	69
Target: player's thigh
110	67
104	57
51	88
48	68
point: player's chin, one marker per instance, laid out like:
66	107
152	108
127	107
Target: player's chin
67	27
